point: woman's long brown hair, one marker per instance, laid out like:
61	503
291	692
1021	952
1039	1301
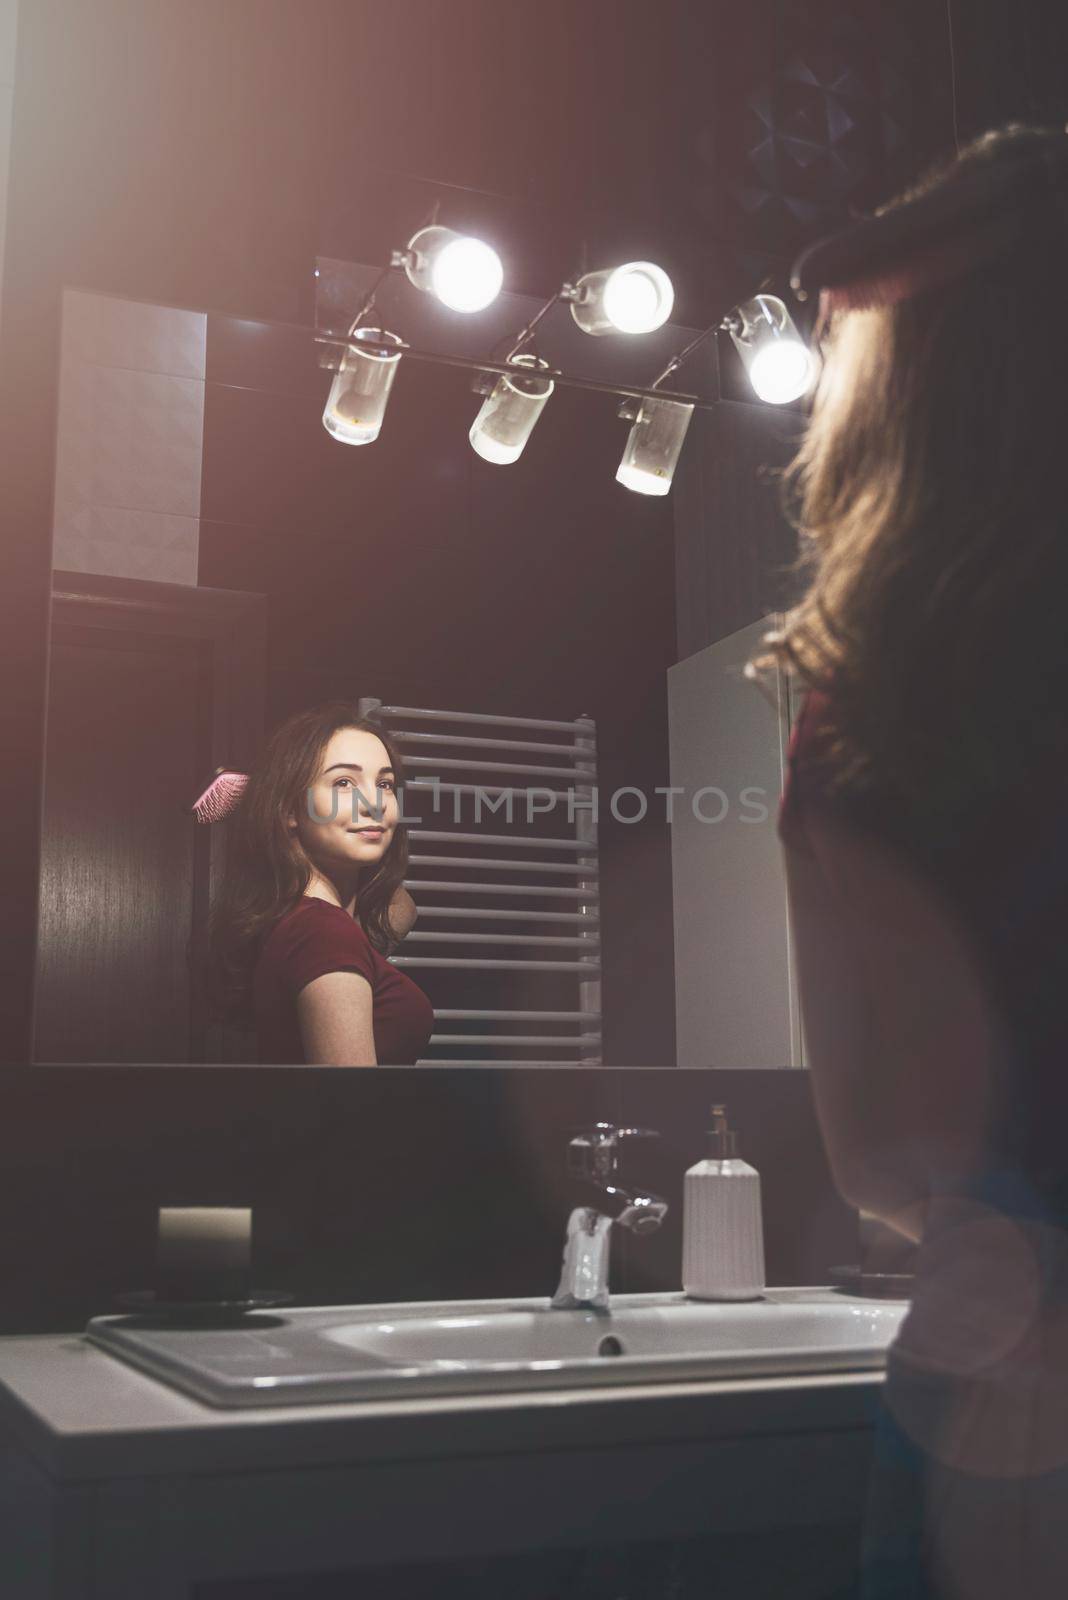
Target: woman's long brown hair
267	870
930	502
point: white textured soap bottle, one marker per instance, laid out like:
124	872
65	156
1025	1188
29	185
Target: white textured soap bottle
722	1224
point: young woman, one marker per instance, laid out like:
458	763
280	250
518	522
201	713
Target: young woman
924	834
313	900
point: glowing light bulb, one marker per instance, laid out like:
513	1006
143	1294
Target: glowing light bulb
638	298
467	275
781	372
635	298
780	367
464	273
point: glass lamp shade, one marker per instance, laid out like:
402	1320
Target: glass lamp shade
358	395
653	446
635	298
464	273
779	364
509	412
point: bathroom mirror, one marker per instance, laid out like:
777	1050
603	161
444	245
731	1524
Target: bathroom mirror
525	630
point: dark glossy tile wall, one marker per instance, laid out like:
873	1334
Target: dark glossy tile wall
376	1184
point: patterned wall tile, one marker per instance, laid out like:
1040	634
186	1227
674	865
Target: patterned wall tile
128	544
129	443
129	439
112	332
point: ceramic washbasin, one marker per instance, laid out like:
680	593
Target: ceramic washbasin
336	1353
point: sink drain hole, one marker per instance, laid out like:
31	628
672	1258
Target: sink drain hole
610	1346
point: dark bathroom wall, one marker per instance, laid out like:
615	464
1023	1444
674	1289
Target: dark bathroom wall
826	110
378	1184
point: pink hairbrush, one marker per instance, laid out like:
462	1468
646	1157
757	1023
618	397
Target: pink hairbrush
221	796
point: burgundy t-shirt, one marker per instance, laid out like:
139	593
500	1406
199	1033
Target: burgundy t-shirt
316	937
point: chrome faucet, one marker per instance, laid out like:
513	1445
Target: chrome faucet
594	1155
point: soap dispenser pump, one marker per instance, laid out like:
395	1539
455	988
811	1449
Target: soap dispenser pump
722	1225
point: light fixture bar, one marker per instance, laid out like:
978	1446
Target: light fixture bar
501	369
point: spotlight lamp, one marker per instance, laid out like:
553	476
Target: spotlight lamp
779	365
634	298
464	273
654	444
500	431
358	395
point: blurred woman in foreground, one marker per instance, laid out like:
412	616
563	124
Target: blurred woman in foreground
924	831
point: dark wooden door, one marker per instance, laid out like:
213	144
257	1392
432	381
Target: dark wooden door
151	686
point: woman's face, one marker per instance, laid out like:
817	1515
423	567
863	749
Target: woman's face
353	822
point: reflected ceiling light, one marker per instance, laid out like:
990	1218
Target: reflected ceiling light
356	404
779	364
634	298
500	431
465	273
654	443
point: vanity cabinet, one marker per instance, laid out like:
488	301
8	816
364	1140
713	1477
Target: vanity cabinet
736	997
113	1485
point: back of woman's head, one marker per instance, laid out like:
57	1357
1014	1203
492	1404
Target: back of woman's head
267	869
929	492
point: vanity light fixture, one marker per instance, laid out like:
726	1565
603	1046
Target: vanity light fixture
464	273
658	431
635	298
780	366
654	444
358	395
511	408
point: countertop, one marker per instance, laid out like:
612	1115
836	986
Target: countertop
83	1414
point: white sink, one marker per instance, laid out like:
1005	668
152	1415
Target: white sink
678	1328
332	1353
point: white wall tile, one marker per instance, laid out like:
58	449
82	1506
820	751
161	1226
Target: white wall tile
127	544
112	332
129	439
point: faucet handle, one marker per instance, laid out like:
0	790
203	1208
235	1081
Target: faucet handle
594	1152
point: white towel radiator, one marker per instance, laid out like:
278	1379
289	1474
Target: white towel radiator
564	920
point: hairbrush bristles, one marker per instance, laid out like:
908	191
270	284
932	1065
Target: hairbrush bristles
221	796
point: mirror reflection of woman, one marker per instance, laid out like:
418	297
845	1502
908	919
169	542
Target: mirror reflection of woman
313	900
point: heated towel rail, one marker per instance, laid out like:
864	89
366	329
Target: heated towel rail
564	919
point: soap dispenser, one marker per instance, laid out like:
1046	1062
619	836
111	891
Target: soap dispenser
722	1226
